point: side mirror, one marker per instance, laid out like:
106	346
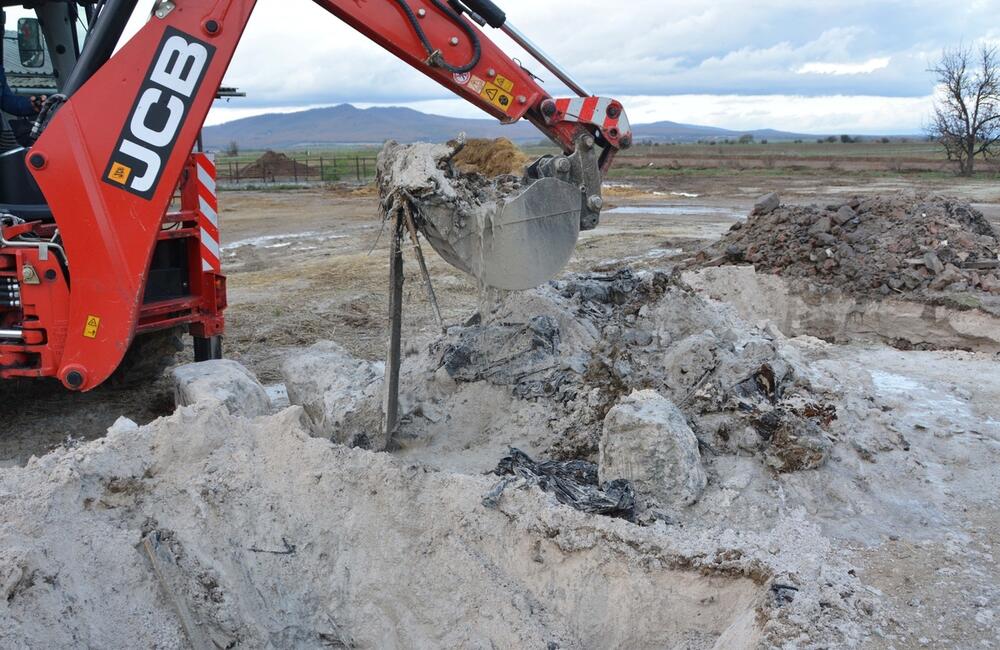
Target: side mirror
29	43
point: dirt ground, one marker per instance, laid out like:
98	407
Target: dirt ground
307	265
310	265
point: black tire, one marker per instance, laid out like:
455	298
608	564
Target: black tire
148	357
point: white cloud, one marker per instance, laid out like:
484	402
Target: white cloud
732	52
854	114
866	67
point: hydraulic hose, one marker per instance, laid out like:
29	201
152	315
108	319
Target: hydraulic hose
434	55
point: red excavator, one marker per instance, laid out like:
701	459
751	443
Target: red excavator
109	225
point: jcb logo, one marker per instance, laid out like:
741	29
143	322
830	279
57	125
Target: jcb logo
150	135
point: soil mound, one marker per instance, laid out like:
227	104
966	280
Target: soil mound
550	364
273	165
880	245
491	158
206	530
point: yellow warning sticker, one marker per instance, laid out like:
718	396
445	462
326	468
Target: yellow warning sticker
119	173
504	83
476	84
498	97
93	325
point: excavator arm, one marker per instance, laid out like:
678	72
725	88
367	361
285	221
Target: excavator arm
442	40
115	146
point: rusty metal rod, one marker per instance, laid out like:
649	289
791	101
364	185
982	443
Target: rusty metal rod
412	227
394	360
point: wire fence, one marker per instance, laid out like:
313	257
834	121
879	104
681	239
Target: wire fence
274	168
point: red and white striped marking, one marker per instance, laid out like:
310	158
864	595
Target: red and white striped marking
594	110
208	212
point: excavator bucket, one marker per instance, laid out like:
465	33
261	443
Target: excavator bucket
507	232
526	243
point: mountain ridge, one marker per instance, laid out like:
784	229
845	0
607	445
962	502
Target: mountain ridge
346	124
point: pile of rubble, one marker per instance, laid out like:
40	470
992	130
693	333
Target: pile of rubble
882	245
632	371
616	358
224	525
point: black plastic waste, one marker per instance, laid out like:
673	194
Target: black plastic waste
573	483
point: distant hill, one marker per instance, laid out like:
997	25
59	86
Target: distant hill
676	132
345	125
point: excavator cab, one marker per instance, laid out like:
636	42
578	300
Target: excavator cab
29	72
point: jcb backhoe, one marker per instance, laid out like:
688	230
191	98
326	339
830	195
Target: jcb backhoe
109	224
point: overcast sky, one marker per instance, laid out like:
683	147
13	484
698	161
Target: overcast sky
826	66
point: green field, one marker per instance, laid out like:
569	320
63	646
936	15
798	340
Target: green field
919	159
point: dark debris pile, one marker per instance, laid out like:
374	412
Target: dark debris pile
573	483
883	245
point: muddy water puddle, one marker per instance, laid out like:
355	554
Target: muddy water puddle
679	210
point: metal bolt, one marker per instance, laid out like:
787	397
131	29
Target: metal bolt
595	203
421	12
454	40
588	142
521	99
163	8
562	165
30	277
491	73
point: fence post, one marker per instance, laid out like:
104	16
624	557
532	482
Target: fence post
322	176
364	166
357	168
295	170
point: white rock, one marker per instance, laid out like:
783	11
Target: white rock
123	425
647	440
225	381
340	393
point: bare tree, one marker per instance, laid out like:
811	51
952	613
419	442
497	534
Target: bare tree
233	149
967	115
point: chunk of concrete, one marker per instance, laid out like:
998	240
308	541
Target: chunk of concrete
223	380
647	441
766	204
340	394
